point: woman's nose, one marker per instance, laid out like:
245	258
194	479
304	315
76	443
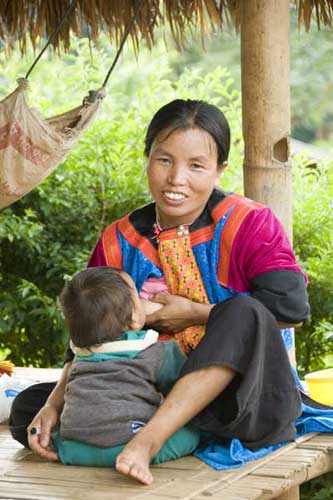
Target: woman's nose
177	175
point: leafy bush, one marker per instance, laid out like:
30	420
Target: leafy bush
313	243
320	488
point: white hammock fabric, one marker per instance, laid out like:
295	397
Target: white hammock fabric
30	146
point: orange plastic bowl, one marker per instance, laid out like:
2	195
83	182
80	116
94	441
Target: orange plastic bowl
320	385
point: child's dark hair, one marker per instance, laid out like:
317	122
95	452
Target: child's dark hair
185	114
97	305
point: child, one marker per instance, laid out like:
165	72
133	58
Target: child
118	373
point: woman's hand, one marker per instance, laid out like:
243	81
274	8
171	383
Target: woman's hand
177	313
44	422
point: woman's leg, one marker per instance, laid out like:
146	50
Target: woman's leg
191	394
25	406
237	383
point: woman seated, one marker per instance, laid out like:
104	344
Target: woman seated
224	272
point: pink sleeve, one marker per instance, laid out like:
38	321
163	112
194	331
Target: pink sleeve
260	246
98	256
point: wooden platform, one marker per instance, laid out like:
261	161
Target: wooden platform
25	476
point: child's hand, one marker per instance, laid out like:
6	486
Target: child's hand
150	307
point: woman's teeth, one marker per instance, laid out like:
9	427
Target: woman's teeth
175	196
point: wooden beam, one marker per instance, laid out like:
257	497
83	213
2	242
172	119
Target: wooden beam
291	494
266	108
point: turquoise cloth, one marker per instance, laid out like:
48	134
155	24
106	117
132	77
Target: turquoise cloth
184	442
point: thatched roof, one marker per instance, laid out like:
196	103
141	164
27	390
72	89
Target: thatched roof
24	19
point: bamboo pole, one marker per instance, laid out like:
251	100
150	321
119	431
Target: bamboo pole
266	110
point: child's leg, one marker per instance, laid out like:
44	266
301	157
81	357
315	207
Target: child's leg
184	442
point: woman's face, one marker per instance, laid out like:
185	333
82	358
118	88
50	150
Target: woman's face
182	172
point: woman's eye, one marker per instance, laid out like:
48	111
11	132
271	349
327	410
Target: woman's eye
197	166
164	161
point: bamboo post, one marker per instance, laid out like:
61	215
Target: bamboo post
266	110
266	107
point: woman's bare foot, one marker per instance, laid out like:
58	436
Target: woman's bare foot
134	461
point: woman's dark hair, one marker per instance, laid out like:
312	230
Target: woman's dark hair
185	114
97	304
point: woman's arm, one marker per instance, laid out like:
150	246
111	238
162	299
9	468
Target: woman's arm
47	418
283	292
263	262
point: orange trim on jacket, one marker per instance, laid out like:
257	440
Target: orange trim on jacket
138	241
243	206
111	247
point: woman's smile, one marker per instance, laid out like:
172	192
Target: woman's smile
182	173
174	197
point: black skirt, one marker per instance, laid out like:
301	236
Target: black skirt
260	405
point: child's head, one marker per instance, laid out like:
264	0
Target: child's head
99	304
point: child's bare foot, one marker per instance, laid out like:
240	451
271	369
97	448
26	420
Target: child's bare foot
134	461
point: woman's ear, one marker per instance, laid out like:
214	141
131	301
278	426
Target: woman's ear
220	169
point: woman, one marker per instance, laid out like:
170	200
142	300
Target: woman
231	280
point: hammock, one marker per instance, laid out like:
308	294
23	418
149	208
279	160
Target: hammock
31	147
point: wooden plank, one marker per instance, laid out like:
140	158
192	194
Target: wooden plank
86	475
33	492
263	487
325	446
66	482
302	454
183	488
233	492
185	463
152	496
214	475
231	496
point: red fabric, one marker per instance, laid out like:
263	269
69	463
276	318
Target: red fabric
98	258
260	246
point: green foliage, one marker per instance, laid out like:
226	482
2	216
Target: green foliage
50	233
320	488
311	83
313	229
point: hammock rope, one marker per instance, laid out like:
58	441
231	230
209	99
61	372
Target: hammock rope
127	32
